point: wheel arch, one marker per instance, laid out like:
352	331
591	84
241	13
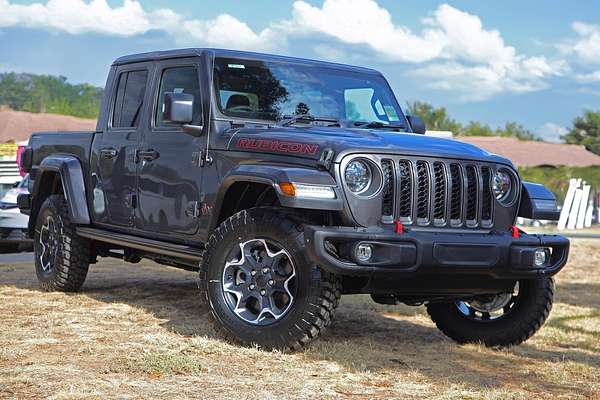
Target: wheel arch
58	174
239	188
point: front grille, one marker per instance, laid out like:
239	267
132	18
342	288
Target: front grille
387	204
437	193
423	192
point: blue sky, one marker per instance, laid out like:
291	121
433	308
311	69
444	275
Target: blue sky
486	61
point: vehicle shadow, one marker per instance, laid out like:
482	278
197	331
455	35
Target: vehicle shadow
363	337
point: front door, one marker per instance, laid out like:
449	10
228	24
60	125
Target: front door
114	162
169	177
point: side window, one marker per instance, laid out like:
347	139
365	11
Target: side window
130	99
179	80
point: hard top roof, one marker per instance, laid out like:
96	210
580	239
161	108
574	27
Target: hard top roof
194	52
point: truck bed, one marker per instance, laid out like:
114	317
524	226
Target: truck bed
77	144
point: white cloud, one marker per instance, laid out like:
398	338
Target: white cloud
362	22
76	16
480	63
584	50
130	19
458	53
588	77
452	51
551	132
586	45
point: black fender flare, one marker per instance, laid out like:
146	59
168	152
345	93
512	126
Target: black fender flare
73	184
273	175
537	202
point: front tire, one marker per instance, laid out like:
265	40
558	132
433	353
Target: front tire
497	321
61	257
261	288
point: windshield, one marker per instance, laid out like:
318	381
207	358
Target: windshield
274	90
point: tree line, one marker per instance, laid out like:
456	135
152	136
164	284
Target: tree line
49	94
54	94
585	130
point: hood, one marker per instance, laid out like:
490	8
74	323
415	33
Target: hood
310	143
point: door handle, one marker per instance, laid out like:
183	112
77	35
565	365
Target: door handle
147	155
108	153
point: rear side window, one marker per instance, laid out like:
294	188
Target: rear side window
130	99
179	80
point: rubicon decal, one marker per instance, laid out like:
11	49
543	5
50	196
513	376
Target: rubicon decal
276	146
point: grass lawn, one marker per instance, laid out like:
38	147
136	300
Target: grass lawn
136	331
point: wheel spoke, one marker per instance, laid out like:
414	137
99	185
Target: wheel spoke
489	308
254	280
250	261
275	260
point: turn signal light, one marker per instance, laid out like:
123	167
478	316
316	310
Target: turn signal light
287	188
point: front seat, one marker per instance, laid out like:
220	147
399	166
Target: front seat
238	102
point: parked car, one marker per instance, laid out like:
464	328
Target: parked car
287	182
13	224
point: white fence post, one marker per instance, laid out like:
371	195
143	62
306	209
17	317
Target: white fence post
583	207
566	209
589	214
575	209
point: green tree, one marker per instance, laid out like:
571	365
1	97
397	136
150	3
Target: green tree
586	131
514	129
475	128
51	94
435	119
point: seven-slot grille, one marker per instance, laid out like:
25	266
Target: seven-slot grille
437	193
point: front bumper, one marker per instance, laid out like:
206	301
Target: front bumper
424	253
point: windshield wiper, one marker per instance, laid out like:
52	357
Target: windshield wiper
379	125
288	120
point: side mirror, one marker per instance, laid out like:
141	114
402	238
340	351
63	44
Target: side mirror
179	108
417	124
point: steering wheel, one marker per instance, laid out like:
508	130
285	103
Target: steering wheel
240	109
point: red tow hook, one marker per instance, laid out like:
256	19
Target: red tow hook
515	231
399	228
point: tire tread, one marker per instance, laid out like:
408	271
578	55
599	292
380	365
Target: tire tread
324	291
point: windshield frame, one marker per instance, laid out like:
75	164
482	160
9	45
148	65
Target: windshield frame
220	115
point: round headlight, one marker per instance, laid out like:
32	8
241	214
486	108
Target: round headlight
502	185
358	176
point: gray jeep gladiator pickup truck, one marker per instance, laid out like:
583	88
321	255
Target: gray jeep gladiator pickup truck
286	183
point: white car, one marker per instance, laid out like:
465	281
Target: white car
13	224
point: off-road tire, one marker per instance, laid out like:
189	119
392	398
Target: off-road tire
70	265
528	315
318	291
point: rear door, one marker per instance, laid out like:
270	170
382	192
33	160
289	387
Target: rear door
114	178
169	178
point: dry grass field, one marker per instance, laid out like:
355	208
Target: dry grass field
135	331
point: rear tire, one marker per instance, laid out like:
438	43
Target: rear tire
61	257
260	286
521	320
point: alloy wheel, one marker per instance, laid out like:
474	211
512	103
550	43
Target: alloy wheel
48	239
489	308
259	281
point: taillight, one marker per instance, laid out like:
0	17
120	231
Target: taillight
25	159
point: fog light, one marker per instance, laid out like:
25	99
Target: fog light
540	257
363	252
